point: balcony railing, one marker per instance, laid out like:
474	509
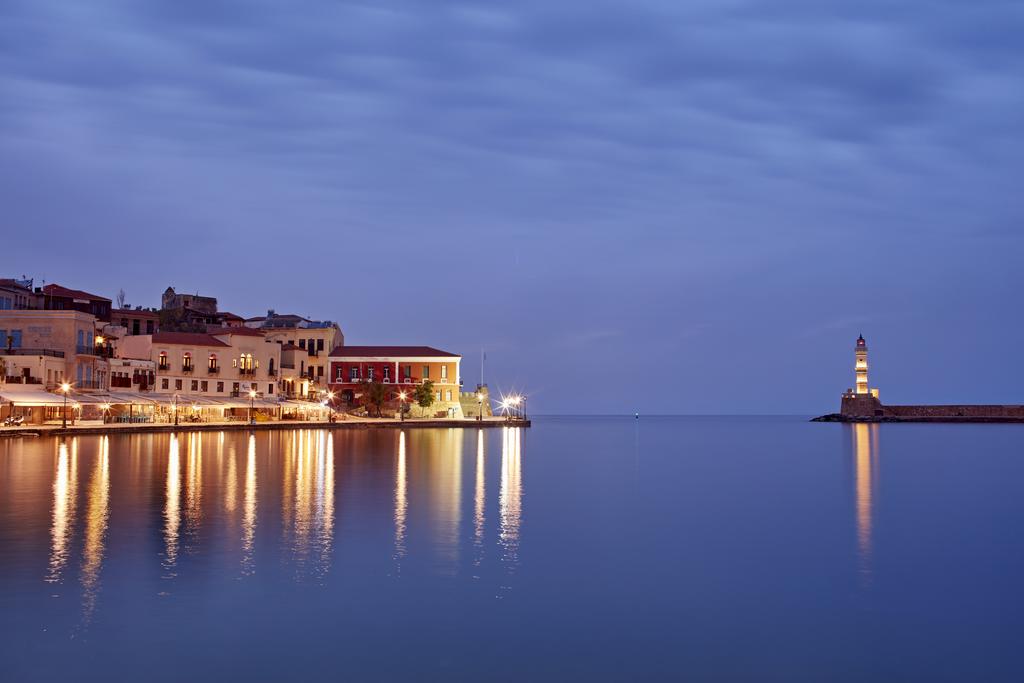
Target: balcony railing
187	369
287	366
164	366
85	350
246	371
22	379
271	372
212	369
31	352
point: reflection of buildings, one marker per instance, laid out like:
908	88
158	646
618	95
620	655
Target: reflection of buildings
401	502
64	490
511	497
479	500
172	508
865	450
249	513
312	456
96	516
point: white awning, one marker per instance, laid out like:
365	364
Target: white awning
30	395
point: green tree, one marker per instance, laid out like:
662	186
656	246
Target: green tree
374	397
424	395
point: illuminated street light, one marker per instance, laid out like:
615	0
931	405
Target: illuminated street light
65	387
252	403
330	404
401	406
480	406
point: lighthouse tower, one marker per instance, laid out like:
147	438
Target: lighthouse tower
861	366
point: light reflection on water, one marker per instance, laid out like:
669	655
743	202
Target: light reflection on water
502	554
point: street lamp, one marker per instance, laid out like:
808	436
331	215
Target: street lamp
330	404
401	406
65	387
252	403
480	406
175	402
106	411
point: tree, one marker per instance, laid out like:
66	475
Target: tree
375	396
424	395
120	298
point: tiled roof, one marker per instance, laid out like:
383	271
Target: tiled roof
242	331
389	351
187	339
57	290
230	316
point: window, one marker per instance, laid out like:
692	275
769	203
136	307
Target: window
204	386
163	383
135	327
163	360
149	327
319	371
438	395
213	362
408	371
387	372
302	344
234	387
319	344
448	395
186	361
177	384
369	373
15	339
195	385
353	373
220	387
444	372
270	388
339	373
426	372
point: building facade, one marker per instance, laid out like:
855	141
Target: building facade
400	369
136	321
54	297
305	347
17	295
59	345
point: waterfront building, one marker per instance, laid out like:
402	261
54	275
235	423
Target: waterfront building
305	345
54	297
137	320
17	295
47	347
400	369
193	313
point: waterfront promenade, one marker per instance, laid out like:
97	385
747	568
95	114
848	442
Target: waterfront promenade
348	422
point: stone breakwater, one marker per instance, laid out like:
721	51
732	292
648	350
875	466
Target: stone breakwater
867	408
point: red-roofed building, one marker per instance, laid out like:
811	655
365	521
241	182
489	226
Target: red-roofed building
400	369
57	298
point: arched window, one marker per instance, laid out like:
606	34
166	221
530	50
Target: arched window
186	361
213	362
163	360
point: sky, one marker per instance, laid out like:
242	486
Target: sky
655	206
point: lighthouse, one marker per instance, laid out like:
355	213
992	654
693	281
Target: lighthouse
861	365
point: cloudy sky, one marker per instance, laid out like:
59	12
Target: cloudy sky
663	206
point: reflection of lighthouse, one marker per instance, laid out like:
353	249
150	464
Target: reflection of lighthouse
865	452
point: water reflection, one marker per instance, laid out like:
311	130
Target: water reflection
97	513
401	502
194	490
510	500
172	509
64	492
479	499
249	514
312	514
865	448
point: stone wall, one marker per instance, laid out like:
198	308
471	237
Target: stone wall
866	407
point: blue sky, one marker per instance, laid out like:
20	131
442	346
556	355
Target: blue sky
654	206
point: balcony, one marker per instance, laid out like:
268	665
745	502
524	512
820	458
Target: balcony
164	367
31	352
212	369
271	372
246	371
187	369
22	379
85	350
287	366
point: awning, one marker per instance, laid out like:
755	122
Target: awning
30	395
123	398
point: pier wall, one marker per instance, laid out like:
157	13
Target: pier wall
866	407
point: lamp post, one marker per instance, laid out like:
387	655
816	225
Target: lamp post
330	404
106	412
65	388
252	403
480	406
175	409
401	406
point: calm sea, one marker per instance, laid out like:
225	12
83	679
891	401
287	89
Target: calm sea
582	549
